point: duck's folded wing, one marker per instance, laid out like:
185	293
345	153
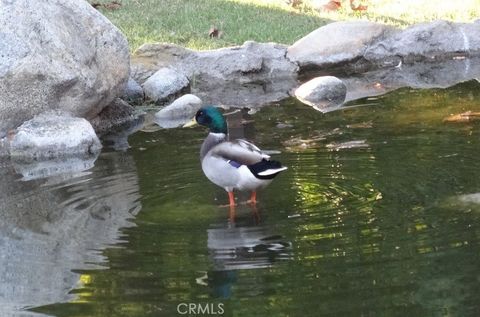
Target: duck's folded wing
240	151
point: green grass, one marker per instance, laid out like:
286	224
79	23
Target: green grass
187	22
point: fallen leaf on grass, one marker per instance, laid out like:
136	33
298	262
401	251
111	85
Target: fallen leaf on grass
113	5
294	3
214	32
468	116
331	6
96	5
358	7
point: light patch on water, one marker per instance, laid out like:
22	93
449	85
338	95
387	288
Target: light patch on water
356	144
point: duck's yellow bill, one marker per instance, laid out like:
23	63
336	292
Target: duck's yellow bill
190	123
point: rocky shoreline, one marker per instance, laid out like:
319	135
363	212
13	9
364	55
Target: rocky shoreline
75	66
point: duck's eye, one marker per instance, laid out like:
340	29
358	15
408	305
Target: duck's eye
200	113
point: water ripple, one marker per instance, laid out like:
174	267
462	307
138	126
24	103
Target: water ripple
51	226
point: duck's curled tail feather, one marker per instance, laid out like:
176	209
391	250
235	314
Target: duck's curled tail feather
266	169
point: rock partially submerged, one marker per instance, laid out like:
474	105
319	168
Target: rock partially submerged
164	83
178	112
53	135
113	117
322	93
116	123
133	92
58	54
420	75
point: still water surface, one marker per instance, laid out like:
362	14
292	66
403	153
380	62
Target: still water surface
377	215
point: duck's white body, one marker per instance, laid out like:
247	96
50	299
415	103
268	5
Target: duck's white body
236	165
232	178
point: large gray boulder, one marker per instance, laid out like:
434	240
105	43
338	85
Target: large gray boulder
361	46
58	54
223	76
438	40
250	75
336	43
247	63
53	135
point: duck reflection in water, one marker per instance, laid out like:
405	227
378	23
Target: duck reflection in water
245	244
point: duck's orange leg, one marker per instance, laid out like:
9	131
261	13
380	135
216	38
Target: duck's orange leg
231	199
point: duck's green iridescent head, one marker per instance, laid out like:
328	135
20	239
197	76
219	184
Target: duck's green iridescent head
212	118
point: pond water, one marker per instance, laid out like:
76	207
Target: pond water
377	215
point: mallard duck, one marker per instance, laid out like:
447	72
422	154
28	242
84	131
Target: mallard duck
235	164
